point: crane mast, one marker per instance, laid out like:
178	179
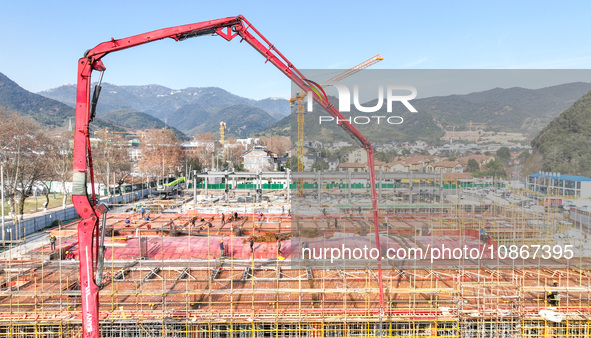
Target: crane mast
222	132
86	206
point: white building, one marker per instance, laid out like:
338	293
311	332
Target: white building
248	141
258	159
357	156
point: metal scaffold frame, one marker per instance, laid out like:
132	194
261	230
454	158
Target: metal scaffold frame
150	295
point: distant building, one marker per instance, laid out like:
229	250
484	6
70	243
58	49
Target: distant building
357	156
333	163
481	136
248	141
353	167
280	163
193	148
398	166
317	145
419	162
555	184
466	135
135	153
341	144
444	167
311	150
394	166
259	159
502	137
309	160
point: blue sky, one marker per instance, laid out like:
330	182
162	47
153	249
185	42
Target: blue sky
42	41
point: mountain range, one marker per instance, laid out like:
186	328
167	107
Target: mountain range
133	120
190	110
559	115
194	110
48	112
508	109
502	109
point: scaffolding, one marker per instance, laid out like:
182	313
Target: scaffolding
173	281
253	299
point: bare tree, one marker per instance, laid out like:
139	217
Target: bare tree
161	153
202	154
23	146
62	164
59	164
278	144
233	153
111	157
203	146
204	137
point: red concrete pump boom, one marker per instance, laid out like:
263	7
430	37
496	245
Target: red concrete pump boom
86	206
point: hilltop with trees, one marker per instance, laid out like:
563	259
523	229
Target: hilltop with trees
563	145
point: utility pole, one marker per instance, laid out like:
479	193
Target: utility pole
108	189
288	172
2	174
132	196
195	187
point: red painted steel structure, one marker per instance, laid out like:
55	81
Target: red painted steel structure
88	230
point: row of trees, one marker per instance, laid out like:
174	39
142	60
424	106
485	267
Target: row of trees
29	157
160	156
494	168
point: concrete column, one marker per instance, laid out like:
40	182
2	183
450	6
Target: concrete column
349	187
441	188
194	187
288	180
2	187
319	181
226	185
108	189
259	186
381	178
410	188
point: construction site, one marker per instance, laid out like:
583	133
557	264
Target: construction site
304	254
165	274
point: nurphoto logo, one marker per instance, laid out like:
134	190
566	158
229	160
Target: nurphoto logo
390	95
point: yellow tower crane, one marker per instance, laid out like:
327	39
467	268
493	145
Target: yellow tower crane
351	71
298	103
222	132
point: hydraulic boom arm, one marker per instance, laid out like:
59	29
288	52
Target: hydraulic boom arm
88	231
